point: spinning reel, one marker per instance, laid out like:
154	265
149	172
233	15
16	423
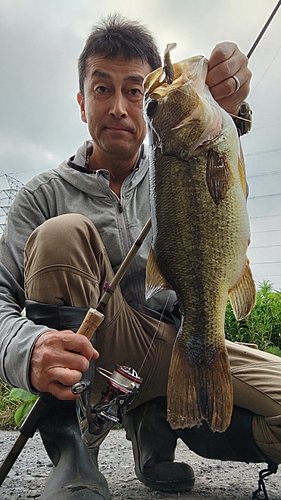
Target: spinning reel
119	392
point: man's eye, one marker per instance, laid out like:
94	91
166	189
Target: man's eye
101	89
136	92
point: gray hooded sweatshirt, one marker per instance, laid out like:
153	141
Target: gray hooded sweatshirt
71	188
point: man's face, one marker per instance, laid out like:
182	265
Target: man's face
112	104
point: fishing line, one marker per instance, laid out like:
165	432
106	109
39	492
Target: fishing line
266	71
156	331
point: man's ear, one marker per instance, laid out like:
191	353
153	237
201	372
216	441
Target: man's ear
80	101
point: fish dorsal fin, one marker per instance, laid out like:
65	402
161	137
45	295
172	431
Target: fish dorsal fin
218	176
154	280
243	296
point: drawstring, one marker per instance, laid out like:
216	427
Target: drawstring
271	469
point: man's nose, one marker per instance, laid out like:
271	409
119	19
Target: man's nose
118	106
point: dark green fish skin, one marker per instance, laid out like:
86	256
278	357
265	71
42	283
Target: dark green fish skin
201	234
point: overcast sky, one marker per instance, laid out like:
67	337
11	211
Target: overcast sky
39	118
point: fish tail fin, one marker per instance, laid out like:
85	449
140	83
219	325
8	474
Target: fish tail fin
243	295
199	388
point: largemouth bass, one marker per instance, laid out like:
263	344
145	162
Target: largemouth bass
200	235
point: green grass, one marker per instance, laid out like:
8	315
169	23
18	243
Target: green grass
262	327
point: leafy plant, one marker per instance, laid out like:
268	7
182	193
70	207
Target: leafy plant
7	407
263	325
28	400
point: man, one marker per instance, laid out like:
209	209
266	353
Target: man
67	234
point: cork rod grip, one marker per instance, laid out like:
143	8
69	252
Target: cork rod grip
90	323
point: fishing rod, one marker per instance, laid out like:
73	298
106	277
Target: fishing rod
92	320
263	30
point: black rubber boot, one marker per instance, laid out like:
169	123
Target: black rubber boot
75	475
154	444
236	444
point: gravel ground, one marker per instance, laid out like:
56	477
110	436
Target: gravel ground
214	479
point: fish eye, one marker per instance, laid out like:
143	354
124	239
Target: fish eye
151	107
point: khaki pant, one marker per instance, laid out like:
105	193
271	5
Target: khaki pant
65	257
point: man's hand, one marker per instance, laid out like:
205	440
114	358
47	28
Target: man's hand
226	61
58	361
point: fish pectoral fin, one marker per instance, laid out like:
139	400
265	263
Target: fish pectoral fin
199	388
219	177
243	295
154	279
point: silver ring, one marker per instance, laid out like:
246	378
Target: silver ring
237	83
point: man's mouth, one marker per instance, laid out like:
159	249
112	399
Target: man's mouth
114	128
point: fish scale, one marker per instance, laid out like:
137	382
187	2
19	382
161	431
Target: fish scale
200	236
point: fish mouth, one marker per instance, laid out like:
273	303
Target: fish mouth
183	76
193	69
187	99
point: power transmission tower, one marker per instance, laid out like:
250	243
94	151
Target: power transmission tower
8	198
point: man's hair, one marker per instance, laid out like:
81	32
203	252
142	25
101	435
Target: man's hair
115	36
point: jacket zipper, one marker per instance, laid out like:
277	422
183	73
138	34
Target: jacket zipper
123	227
